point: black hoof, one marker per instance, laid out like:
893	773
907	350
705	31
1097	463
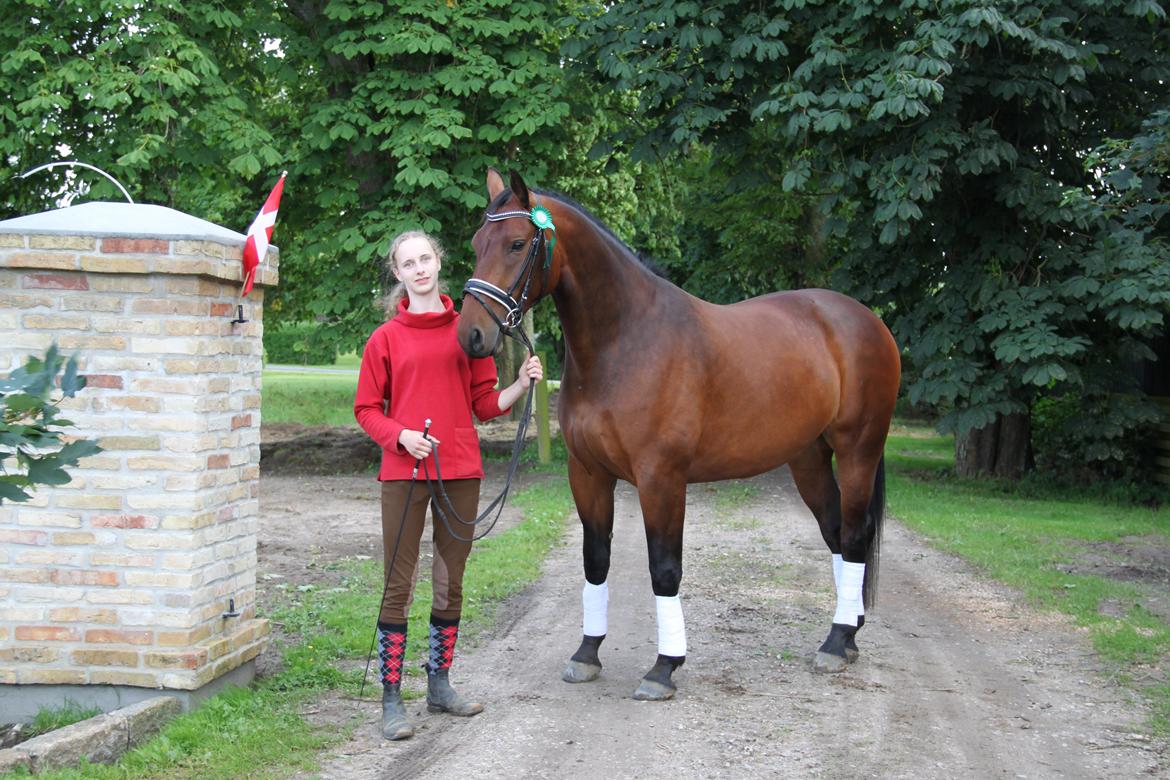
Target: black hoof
657	685
838	651
584	666
851	651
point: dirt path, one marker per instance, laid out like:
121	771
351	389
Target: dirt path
956	678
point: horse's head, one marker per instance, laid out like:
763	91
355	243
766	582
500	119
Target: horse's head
513	264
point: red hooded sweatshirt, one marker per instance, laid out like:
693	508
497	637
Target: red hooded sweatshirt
413	369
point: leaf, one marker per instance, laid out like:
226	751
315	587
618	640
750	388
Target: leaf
10	491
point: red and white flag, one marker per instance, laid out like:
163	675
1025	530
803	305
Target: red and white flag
259	234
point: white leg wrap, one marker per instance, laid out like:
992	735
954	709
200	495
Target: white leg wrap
595	600
672	632
849	593
837	561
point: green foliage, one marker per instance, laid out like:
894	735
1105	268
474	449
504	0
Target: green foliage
741	234
951	149
299	344
53	718
30	423
386	116
395	111
167	97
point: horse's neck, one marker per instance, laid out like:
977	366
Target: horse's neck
602	295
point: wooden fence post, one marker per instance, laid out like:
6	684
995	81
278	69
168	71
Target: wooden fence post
543	438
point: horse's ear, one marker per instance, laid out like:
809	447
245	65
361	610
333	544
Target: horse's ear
495	184
520	190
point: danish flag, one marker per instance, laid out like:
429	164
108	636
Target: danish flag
259	233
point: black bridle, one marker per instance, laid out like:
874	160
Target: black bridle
483	291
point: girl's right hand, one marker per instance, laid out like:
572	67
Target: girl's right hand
416	444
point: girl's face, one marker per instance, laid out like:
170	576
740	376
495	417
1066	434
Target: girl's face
417	266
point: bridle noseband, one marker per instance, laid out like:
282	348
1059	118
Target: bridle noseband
514	309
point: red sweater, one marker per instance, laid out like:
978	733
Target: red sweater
414	369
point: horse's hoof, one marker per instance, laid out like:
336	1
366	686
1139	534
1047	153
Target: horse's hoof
650	690
851	654
577	672
827	663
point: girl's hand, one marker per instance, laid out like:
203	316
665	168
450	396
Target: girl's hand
531	371
416	444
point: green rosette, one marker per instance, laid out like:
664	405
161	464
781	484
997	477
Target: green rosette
542	218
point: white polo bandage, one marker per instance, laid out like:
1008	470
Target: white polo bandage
849	593
595	600
672	632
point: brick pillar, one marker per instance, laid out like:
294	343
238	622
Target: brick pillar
122	577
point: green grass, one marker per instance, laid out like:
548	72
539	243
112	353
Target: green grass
239	733
1033	537
258	732
51	718
734	494
309	399
348	360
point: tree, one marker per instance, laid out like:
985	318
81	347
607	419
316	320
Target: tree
29	423
396	112
385	115
165	96
946	144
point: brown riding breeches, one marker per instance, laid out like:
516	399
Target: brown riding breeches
450	554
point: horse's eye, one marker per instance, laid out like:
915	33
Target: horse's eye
517	245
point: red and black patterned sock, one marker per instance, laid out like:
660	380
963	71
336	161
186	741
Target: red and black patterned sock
391	650
443	635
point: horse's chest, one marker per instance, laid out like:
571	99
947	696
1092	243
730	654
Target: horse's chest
592	433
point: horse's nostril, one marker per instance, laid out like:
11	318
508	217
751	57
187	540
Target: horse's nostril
476	341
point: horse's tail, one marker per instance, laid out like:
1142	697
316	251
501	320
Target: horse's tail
874	514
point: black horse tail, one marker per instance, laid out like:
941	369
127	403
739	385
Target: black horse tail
874	514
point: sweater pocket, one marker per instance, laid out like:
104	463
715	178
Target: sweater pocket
466	457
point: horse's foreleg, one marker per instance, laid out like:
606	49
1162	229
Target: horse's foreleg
593	494
663	506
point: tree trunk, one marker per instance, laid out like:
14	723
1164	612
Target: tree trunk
1001	449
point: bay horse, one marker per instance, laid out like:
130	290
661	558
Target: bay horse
662	389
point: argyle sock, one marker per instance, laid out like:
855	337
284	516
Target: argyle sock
443	635
391	650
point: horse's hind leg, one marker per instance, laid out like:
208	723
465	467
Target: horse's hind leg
593	494
812	471
858	469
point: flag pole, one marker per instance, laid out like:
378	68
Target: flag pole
244	280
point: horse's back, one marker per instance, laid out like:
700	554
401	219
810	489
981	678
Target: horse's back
794	364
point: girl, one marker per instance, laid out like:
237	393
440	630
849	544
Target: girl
414	370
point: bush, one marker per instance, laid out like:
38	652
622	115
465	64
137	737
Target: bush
304	344
1084	438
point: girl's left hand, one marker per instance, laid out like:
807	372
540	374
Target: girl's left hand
531	371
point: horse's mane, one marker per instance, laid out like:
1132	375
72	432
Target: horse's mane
649	262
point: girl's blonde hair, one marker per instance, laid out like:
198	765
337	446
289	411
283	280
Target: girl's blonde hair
398	291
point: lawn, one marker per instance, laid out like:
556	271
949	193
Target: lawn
1039	538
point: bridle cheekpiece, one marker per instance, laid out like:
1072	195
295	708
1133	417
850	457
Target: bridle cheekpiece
514	309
